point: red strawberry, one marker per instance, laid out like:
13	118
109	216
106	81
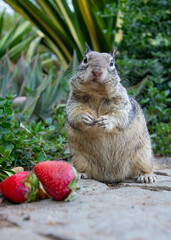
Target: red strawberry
20	187
58	179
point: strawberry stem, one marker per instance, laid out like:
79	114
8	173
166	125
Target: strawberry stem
32	183
72	186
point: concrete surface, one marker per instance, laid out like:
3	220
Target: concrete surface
125	211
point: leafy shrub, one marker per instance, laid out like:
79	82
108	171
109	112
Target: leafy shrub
5	125
25	145
144	62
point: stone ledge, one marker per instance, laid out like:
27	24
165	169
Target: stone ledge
124	211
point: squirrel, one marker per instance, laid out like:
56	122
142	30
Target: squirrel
106	128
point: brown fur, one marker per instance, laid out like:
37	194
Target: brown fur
116	146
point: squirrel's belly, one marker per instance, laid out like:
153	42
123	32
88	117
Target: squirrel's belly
107	154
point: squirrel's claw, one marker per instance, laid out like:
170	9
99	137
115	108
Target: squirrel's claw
105	122
147	178
88	119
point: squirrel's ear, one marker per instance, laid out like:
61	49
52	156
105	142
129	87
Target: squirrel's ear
87	49
113	52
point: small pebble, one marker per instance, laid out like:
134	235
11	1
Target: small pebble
26	218
17	169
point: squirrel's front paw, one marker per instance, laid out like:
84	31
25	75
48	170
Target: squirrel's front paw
87	119
105	122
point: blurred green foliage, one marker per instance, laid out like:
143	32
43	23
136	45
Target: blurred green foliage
9	20
17	39
145	57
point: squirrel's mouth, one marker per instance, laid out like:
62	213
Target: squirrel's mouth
96	80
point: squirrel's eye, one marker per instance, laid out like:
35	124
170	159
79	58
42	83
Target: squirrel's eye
85	60
111	63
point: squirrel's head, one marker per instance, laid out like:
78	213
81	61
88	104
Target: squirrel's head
96	71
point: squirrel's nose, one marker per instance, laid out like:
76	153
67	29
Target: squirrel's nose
97	73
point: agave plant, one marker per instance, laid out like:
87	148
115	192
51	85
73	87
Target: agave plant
34	91
64	28
16	40
22	38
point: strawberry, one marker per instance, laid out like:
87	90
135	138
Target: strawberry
58	179
20	187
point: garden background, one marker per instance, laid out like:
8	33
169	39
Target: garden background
41	45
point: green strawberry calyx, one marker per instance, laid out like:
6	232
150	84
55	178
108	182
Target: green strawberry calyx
32	183
72	186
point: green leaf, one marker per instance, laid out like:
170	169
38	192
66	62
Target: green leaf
9	172
1	23
6	124
72	185
1	113
10	147
4	131
52	128
48	121
2	103
32	48
2	149
5	156
5	41
8	111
